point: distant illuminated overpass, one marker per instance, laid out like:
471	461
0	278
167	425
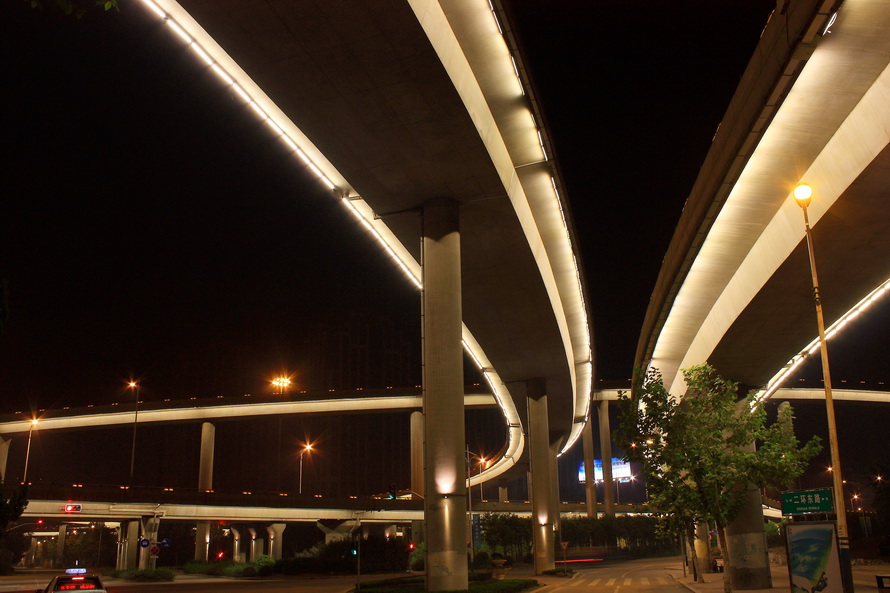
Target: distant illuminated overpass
188	410
851	395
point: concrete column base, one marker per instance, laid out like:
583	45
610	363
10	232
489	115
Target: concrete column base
746	540
202	541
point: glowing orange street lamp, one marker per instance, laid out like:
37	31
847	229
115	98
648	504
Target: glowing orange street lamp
803	194
28	451
282	383
135	387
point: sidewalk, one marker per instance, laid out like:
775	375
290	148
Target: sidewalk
863	579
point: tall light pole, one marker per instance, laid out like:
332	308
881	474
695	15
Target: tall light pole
281	383
135	387
482	463
302	452
28	451
803	194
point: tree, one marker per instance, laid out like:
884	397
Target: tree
11	509
696	455
75	7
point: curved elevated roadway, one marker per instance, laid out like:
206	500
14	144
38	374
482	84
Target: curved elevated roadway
393	103
812	107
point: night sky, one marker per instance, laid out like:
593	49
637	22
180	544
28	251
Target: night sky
152	230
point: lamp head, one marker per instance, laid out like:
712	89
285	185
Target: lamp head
803	193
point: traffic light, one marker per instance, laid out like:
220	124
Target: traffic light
410	545
73	508
393	493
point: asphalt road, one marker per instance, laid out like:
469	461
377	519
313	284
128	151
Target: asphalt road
632	576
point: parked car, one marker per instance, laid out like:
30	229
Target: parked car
75	579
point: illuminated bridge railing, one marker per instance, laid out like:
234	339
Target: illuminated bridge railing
186	496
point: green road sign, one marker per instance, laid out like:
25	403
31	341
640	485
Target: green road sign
805	502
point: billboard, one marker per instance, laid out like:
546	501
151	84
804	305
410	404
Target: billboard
813	561
620	470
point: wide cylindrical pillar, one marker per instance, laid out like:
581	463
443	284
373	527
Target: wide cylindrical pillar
4	456
416	427
589	475
748	555
606	454
150	527
128	544
205	465
202	541
540	476
275	531
445	502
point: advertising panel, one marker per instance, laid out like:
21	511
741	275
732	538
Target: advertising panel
620	470
813	562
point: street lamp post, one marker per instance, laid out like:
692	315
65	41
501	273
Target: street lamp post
482	463
302	452
803	194
282	383
135	387
28	451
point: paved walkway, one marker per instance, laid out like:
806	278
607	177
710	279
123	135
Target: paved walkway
863	579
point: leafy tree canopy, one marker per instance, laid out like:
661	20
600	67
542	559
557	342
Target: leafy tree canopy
698	455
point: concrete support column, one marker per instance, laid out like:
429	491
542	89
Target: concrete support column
60	545
416	425
257	545
237	553
31	556
555	501
205	466
606	454
128	544
276	539
589	475
205	483
502	491
150	528
540	475
202	541
746	540
4	457
445	502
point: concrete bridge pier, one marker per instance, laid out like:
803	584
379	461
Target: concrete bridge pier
445	502
275	531
150	526
416	424
4	457
205	482
606	453
127	544
589	472
338	533
257	544
237	552
746	540
540	475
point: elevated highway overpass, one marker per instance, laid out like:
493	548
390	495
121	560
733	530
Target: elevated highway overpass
419	116
735	287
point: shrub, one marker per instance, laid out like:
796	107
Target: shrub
147	576
481	560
